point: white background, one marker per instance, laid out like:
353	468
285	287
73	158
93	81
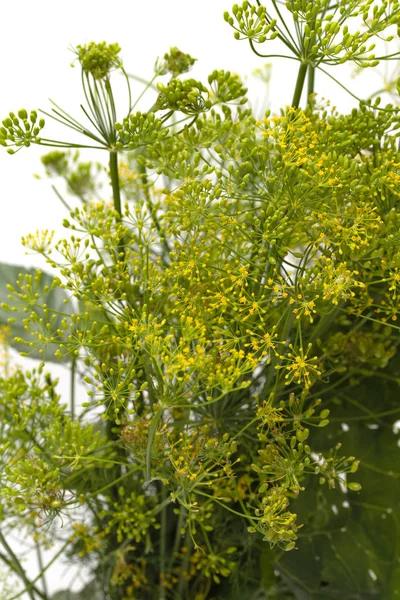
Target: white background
35	64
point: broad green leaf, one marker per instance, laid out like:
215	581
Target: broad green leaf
349	547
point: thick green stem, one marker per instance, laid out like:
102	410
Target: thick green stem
116	196
115	182
311	82
163	545
301	76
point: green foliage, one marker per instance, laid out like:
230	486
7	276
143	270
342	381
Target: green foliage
37	439
235	327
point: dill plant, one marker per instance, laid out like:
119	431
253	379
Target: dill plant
231	309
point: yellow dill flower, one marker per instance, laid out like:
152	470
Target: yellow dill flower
336	281
40	242
301	368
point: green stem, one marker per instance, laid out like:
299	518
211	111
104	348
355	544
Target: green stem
148	85
301	76
145	81
323	324
31	584
116	196
72	393
178	536
150	205
109	485
163	544
351	93
152	431
274	360
115	182
10	564
235	512
249	424
57	193
41	567
18	569
311	81
185	566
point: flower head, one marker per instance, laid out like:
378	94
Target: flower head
99	59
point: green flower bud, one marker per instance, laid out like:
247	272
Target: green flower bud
99	59
354	486
177	62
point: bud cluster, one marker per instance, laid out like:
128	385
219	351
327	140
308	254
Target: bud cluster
316	37
175	62
227	87
20	130
139	130
185	96
252	23
99	59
